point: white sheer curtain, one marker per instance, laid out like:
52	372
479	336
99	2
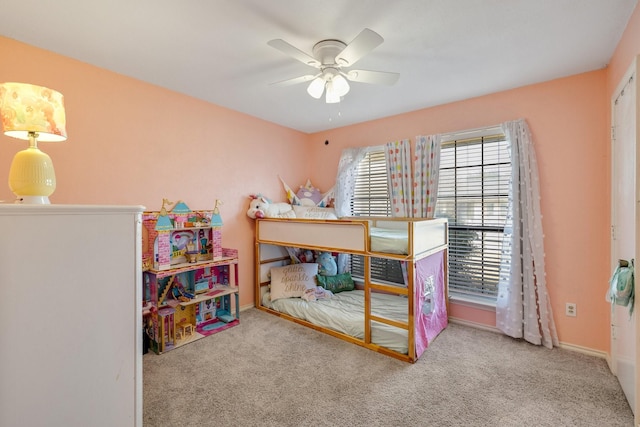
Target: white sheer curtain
523	309
398	157
345	186
346	177
426	176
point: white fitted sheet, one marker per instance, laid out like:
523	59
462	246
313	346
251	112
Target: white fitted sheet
344	312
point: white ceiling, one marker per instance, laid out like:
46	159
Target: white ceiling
216	50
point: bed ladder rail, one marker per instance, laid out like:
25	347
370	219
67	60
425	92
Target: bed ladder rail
396	290
391	289
396	323
370	317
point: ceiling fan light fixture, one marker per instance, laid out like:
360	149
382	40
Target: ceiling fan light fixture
316	87
340	85
332	95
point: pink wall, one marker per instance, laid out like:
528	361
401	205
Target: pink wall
568	118
152	143
134	143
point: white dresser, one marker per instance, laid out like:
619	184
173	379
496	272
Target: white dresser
70	317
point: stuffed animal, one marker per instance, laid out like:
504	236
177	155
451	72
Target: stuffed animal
309	195
306	256
328	266
261	207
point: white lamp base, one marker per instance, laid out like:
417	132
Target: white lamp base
33	200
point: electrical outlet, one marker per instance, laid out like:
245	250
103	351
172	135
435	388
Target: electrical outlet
571	309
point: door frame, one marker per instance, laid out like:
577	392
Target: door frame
612	360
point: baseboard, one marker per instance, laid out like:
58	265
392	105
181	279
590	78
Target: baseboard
585	350
562	345
473	324
246	307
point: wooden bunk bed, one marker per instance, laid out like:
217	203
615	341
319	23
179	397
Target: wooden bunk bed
399	321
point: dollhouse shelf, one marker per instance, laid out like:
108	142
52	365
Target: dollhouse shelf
185	266
194	228
190	281
216	292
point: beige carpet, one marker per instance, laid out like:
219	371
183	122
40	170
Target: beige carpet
271	372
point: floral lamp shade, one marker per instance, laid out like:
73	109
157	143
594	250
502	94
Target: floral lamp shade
29	108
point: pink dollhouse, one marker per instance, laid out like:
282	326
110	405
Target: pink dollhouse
189	278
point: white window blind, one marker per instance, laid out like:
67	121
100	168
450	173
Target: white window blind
473	194
371	198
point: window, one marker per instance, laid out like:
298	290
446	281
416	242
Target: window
473	193
371	198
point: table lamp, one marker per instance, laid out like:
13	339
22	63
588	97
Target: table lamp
32	113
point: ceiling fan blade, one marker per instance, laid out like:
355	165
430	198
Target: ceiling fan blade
374	77
295	80
293	52
364	43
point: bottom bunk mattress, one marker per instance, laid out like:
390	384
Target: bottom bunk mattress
344	312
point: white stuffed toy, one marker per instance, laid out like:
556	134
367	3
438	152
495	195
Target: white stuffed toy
261	207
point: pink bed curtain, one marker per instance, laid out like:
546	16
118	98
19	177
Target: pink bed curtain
430	306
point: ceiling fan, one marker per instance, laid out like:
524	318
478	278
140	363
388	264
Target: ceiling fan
332	58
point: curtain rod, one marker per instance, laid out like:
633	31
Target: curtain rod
472	133
474	139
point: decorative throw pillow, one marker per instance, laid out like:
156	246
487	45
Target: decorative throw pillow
337	283
291	281
308	195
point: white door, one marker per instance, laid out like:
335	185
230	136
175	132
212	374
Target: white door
624	216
